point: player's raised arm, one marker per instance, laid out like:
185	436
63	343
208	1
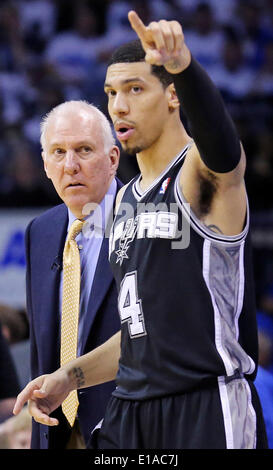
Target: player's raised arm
210	124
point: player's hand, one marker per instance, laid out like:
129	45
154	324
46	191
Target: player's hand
44	394
163	42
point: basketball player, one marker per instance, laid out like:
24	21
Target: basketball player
186	297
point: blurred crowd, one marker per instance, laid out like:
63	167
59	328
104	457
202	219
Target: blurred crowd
57	50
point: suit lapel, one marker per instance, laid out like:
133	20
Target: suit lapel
50	318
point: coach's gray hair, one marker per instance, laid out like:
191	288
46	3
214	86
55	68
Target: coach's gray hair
73	105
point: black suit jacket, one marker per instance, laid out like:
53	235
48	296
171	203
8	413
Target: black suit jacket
45	238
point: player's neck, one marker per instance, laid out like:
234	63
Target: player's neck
153	160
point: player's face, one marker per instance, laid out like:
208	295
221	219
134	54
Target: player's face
75	159
137	104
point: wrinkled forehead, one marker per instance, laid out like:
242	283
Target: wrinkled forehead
72	124
65	121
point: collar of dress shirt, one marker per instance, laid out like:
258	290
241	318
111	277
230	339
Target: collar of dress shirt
99	217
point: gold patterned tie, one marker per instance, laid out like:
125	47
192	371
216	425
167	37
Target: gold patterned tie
70	311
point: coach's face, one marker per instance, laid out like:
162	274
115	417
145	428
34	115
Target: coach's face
75	160
138	104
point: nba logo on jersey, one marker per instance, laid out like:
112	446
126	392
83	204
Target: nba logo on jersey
164	185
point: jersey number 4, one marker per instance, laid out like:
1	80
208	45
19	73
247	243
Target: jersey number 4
130	307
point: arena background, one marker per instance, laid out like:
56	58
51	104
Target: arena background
52	51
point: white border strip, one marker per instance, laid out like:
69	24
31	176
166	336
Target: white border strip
241	289
226	412
252	411
240	302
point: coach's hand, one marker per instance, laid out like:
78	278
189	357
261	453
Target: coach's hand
44	394
163	42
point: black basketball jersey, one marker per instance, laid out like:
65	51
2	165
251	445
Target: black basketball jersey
186	294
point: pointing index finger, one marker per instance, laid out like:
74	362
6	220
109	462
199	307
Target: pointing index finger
23	397
137	24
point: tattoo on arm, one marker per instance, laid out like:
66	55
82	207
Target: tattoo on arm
214	228
79	375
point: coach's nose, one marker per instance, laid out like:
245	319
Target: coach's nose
71	164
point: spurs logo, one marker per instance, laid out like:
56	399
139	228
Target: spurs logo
127	237
145	225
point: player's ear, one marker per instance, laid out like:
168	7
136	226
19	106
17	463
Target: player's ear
173	100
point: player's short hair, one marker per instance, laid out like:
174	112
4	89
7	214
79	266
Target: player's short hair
133	52
73	106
